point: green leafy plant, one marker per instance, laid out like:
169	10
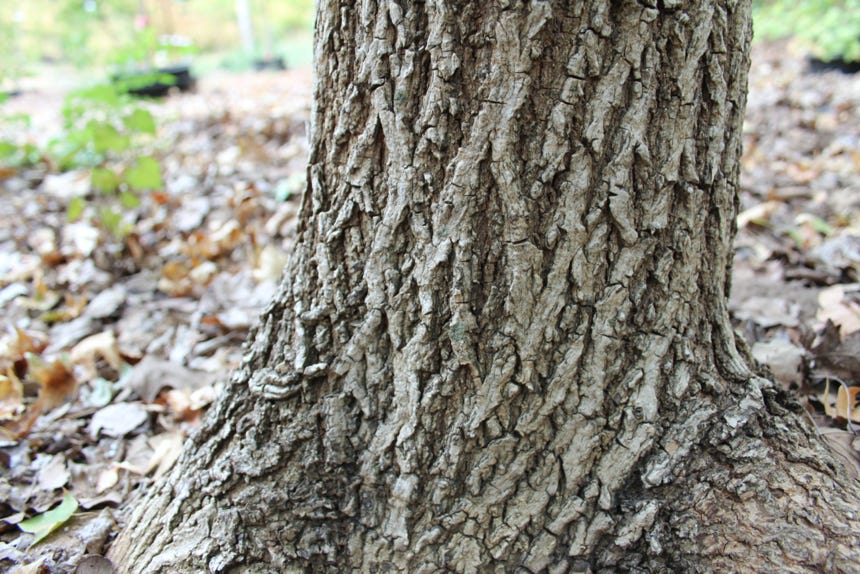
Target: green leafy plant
14	154
831	28
105	131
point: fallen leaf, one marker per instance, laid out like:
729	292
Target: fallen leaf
54	474
107	479
43	299
759	214
11	396
837	358
57	383
138	453
102	345
107	302
842	444
190	214
174	279
111	497
768	312
178	401
837	255
166	450
834	306
151	375
846	403
64	335
270	264
782	357
117	420
43	524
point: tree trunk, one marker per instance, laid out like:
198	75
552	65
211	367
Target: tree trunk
502	343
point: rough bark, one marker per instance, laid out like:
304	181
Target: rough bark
502	343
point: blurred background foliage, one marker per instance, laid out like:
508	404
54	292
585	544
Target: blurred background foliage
830	29
92	34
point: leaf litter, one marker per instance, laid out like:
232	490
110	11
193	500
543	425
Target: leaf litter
796	277
114	347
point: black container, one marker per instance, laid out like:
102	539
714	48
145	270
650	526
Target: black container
839	65
156	82
274	63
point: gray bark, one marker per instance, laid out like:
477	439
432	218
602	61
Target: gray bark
502	343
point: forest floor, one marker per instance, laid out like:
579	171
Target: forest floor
112	348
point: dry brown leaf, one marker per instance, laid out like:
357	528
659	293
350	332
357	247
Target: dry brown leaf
27	342
201	246
107	479
102	345
166	449
174	279
834	306
11	396
57	383
846	403
54	474
228	236
159	197
844	406
801	172
836	357
178	401
757	214
57	386
14	346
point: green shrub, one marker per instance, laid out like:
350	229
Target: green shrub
831	28
105	131
14	154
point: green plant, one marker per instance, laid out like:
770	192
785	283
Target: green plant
147	49
831	28
13	154
105	131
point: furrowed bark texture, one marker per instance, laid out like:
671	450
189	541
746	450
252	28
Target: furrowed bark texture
502	344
